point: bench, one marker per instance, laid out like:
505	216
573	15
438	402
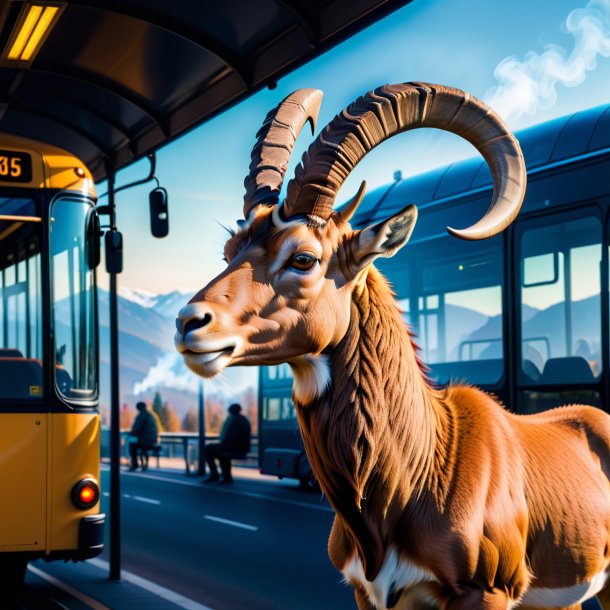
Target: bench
155	451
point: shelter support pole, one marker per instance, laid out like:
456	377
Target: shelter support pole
201	460
115	414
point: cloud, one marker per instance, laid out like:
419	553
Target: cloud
171	372
531	84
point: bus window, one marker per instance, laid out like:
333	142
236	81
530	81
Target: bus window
73	301
458	318
560	302
276	409
280	371
20	302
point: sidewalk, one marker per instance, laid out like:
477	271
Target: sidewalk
91	576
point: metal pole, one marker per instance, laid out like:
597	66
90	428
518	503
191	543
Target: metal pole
201	466
115	414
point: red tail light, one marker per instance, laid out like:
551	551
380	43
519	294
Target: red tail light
85	494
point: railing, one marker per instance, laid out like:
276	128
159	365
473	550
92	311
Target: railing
182	445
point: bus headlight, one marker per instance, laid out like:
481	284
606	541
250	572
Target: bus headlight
85	493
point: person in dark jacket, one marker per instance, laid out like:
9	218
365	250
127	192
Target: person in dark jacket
234	444
146	431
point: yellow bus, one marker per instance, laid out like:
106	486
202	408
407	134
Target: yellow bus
49	421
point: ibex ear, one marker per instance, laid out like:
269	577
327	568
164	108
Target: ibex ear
384	238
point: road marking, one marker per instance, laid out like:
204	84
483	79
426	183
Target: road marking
94	604
244	526
229	491
139	498
162	592
147	500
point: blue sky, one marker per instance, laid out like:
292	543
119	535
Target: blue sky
536	47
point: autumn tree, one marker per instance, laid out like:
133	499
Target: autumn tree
158	407
190	422
126	417
172	421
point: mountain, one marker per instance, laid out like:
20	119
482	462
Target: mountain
148	361
167	305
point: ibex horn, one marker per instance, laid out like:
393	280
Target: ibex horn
393	109
275	141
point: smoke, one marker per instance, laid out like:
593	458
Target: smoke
529	85
171	372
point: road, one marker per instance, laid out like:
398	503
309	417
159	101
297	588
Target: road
259	544
256	544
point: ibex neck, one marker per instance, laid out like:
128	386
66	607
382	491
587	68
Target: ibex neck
371	436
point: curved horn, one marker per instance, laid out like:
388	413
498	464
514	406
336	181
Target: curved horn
275	141
390	110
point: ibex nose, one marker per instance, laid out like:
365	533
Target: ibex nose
193	317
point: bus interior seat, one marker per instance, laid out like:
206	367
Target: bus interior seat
568	369
530	370
10	352
20	377
470	371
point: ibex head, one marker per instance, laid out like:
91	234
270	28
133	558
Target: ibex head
293	268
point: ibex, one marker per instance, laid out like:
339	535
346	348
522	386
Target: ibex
443	499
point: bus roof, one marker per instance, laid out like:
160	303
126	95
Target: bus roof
552	143
27	163
115	80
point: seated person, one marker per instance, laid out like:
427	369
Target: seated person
234	444
146	431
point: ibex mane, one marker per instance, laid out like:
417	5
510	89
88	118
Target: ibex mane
443	499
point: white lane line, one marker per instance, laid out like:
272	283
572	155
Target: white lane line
158	590
244	526
138	498
147	500
232	491
92	603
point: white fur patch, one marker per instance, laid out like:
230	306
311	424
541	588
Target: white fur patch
565	596
396	573
311	377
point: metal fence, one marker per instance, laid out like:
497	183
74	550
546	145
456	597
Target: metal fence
180	446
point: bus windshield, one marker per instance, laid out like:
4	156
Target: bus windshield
21	303
73	300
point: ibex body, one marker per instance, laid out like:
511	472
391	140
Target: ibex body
443	499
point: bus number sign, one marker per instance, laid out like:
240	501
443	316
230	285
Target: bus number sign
15	166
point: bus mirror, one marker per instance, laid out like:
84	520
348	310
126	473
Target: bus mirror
92	247
114	251
159	219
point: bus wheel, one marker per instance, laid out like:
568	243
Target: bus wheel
12	574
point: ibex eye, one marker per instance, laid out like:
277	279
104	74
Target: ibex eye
303	262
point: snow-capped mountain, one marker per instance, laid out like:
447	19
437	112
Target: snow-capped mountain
147	358
167	304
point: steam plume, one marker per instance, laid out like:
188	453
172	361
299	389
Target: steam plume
528	85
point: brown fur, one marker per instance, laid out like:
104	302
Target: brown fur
489	502
495	515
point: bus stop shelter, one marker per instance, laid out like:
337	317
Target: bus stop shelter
111	81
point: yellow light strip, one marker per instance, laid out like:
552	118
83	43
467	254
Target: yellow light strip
9	217
40	30
30	21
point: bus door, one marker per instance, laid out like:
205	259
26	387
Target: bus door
558	309
23	423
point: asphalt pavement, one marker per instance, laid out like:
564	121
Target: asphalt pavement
259	544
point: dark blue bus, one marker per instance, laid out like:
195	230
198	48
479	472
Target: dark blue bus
523	315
